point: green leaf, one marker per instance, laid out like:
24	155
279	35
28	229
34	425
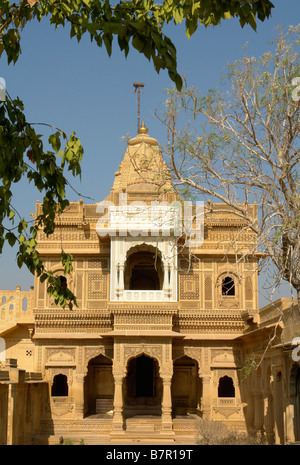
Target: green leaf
11	238
138	43
107	39
54	140
252	20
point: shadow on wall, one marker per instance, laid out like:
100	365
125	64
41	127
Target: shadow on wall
2	349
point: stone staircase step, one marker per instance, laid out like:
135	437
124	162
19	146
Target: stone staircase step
139	430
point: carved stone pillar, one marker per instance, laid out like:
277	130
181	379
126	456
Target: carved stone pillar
278	405
11	413
78	389
258	412
166	276
249	411
120	286
167	423
206	395
167	285
121	277
291	424
269	418
117	424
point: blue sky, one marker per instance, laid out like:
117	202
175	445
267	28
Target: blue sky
77	87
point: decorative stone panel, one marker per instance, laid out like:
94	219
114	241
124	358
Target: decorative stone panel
189	287
97	286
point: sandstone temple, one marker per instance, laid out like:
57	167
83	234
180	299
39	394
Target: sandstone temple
163	330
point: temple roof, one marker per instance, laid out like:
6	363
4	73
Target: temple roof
143	168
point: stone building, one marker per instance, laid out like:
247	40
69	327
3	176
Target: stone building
162	329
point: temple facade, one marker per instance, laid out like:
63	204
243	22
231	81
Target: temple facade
166	322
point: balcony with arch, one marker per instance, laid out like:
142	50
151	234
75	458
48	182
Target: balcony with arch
143	272
227	400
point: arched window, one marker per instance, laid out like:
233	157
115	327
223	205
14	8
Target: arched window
4	299
143	271
24	304
60	386
226	387
228	286
63	282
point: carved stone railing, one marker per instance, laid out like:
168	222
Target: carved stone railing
15	307
143	296
226	401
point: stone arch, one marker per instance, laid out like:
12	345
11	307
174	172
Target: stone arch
99	384
141	247
92	352
153	351
186	386
59	371
192	352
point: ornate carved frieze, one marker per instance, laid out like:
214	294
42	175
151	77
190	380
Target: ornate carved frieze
200	321
225	358
59	356
60	320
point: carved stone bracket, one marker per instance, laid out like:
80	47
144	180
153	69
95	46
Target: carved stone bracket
226	411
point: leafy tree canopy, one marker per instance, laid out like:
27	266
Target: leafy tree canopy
138	21
134	24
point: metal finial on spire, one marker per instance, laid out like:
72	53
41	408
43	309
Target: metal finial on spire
143	129
137	86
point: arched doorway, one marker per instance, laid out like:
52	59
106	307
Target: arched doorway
185	386
142	387
99	386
